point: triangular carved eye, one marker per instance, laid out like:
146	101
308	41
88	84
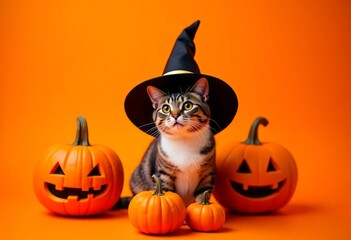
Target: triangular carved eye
270	167
94	172
57	170
244	167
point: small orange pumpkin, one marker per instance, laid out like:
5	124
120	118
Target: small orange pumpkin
157	212
79	179
205	216
255	177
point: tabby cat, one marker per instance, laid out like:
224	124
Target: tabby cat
183	154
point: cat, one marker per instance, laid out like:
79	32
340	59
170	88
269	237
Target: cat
183	153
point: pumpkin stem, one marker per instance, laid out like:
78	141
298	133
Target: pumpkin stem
252	139
82	133
158	190
205	198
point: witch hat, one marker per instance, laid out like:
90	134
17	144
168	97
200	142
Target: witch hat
180	74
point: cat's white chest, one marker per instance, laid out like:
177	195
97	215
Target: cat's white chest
186	156
182	153
187	180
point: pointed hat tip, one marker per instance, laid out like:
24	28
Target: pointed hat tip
193	27
183	52
197	23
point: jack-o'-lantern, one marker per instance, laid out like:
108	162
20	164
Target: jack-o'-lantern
255	177
79	179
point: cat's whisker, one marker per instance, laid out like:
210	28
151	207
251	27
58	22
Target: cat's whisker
145	125
218	127
200	125
153	132
195	127
188	89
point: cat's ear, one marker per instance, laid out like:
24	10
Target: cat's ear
155	95
201	88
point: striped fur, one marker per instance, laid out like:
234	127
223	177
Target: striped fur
183	153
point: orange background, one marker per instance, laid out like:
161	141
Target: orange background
287	60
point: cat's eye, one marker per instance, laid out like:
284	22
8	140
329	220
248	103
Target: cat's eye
187	106
166	108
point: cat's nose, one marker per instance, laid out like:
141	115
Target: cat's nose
175	114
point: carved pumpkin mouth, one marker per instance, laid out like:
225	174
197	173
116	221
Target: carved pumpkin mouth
77	193
256	191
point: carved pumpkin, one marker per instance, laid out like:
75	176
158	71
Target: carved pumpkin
255	177
79	179
157	212
205	216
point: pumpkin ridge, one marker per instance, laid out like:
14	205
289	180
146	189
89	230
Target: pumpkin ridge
111	155
154	214
219	216
163	224
68	152
201	217
211	212
81	165
65	160
173	223
93	162
88	150
145	227
178	211
164	205
292	169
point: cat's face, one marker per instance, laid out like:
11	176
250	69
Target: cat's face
181	113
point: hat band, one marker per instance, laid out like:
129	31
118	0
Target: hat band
177	72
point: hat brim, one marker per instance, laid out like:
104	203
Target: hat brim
223	101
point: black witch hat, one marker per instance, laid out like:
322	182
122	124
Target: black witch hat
180	74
